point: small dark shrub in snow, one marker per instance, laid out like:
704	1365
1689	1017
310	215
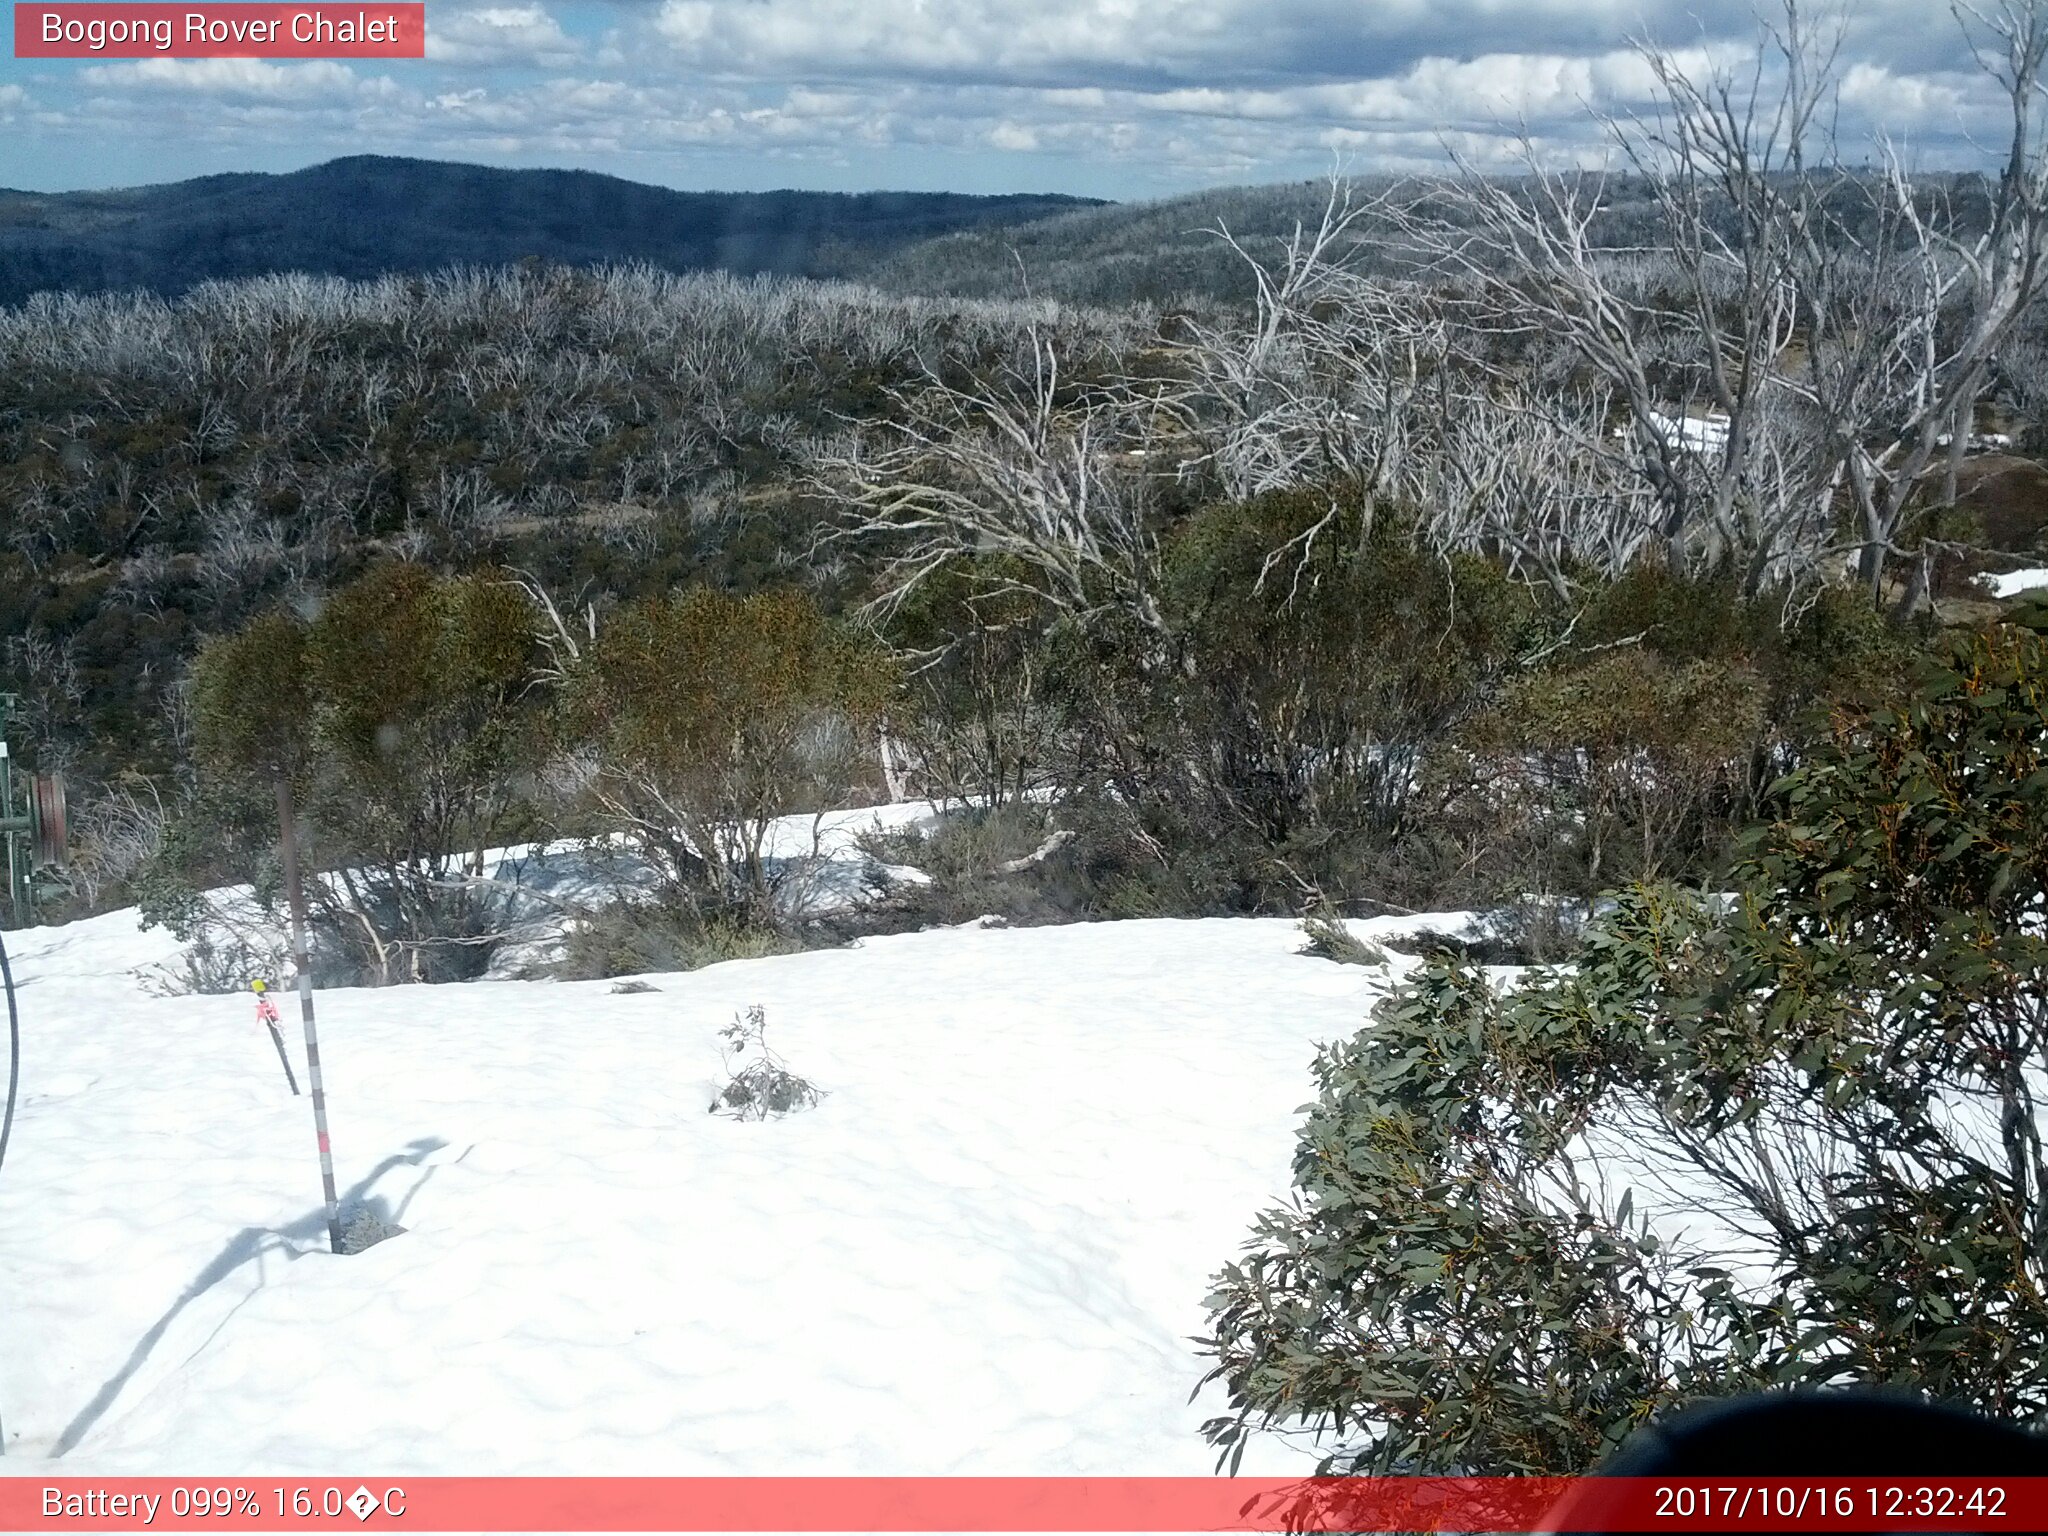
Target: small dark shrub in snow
1490	947
1329	939
1546	929
1825	1088
214	963
1009	860
1536	930
626	938
764	1087
1030	864
364	1228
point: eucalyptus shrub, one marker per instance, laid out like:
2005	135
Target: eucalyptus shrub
1788	1136
402	716
708	716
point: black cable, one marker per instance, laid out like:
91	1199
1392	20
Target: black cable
13	1053
13	1084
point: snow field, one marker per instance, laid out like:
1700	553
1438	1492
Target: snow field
2003	584
984	1253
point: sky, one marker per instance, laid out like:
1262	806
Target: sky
1122	99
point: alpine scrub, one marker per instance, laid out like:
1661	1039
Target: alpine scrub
1788	1138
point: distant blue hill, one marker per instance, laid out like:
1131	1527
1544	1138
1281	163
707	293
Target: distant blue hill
371	214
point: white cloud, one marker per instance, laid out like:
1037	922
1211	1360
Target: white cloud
931	38
1155	42
309	81
1904	103
498	35
1497	90
1138	94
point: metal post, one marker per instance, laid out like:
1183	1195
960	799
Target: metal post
11	826
289	844
284	1058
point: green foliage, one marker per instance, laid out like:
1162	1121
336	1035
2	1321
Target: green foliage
1642	739
1320	654
1636	765
1428	1292
252	702
1839	1071
977	721
1318	630
401	716
1631	702
225	832
1891	951
399	708
419	685
1833	647
710	715
1329	939
643	432
631	938
1334	711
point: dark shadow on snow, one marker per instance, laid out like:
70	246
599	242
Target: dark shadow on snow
251	1243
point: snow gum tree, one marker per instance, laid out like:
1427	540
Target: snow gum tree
400	715
1785	1138
708	716
420	684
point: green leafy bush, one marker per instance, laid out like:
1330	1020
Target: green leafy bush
977	723
708	716
1329	939
1623	766
1325	651
401	717
1788	1138
631	938
1264	746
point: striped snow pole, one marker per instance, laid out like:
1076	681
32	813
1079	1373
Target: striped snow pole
289	843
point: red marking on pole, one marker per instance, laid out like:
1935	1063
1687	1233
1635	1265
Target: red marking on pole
323	1142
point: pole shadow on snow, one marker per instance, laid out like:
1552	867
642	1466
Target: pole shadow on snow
247	1244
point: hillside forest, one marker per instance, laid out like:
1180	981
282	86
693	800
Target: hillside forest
1378	546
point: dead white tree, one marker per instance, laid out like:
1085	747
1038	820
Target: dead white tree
1537	486
1313	386
1838	330
1905	323
561	638
1683	334
1025	476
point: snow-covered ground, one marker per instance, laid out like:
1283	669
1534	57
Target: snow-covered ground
1706	432
817	859
2012	583
984	1253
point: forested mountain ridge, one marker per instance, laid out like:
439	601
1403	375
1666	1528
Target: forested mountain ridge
1053	462
1190	249
370	215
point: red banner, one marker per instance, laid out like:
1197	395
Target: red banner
154	31
1049	1504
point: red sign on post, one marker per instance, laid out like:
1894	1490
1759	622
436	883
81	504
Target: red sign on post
154	31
